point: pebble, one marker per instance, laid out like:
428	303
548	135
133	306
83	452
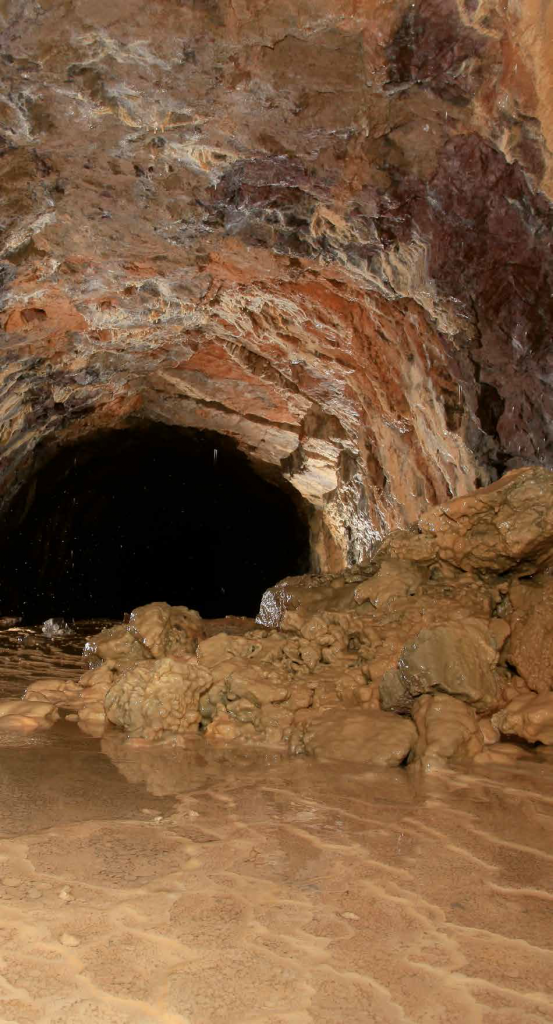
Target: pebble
34	894
11	880
69	940
66	896
351	917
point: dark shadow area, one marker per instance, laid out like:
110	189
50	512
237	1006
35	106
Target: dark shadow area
153	513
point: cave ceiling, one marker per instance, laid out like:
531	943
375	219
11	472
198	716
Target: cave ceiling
320	228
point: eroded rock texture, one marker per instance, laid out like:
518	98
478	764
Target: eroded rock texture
320	228
350	665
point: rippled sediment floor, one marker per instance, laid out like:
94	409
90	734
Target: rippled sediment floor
140	885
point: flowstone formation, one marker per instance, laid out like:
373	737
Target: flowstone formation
437	649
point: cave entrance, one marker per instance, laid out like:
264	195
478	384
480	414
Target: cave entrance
152	513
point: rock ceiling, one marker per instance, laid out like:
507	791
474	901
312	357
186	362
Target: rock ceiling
320	227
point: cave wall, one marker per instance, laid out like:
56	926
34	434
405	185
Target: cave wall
320	228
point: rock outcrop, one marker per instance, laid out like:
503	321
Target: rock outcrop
404	658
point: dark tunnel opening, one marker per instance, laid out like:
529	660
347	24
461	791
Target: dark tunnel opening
152	513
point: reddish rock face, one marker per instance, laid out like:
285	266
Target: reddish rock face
319	228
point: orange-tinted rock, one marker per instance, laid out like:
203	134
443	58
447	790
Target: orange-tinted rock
458	658
448	730
508	525
531	643
321	229
369	737
528	717
395	579
159	697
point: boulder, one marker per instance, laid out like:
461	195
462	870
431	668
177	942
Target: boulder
116	643
156	697
27	715
313	593
458	658
153	631
395	578
508	525
166	630
365	736
448	730
531	644
531	718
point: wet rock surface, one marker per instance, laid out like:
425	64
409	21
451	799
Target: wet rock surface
157	698
397	660
508	525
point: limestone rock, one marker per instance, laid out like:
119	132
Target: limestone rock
459	659
166	630
528	717
508	525
219	649
393	692
116	643
256	687
243	721
27	715
531	642
320	228
395	578
408	546
156	697
91	718
448	730
54	691
365	736
314	594
153	631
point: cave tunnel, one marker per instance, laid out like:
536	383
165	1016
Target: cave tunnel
149	513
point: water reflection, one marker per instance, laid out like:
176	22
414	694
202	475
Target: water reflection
28	655
208	884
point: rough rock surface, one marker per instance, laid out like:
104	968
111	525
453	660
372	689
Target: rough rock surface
507	525
371	737
152	631
447	730
27	715
157	696
531	642
530	717
403	658
458	659
320	228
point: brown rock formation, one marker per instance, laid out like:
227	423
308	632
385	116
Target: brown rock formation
506	525
317	228
380	674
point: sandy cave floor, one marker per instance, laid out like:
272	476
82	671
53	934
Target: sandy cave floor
142	885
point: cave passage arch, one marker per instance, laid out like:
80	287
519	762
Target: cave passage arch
148	513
